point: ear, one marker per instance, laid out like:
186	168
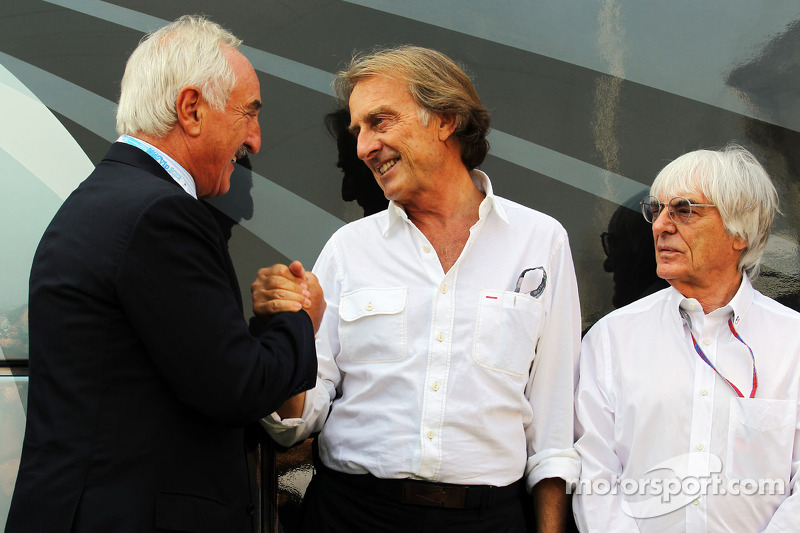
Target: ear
447	125
739	244
191	110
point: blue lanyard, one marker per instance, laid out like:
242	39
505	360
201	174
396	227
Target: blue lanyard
714	368
177	172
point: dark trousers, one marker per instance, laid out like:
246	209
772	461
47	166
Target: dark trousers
346	503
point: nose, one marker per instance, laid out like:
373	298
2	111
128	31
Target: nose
367	144
253	140
663	223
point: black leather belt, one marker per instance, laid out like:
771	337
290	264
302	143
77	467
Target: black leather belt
426	493
447	496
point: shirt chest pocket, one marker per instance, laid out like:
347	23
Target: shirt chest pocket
505	331
373	325
760	438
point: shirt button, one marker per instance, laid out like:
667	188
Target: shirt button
706	341
692	307
440	337
435	386
704	392
430	434
696	502
369	306
699	446
444	289
426	249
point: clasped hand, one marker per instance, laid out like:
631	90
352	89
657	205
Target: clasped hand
280	288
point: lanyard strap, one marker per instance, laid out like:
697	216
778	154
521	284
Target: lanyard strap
177	172
709	363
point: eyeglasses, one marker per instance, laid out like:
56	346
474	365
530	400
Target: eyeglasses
542	279
680	208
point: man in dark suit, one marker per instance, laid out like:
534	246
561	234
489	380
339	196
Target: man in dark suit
142	368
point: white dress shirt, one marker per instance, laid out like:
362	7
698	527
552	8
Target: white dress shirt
646	400
450	377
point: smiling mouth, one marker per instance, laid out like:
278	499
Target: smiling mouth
240	153
384	168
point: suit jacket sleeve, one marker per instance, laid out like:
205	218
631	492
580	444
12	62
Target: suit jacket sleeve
176	281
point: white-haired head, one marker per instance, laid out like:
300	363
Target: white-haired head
734	181
186	52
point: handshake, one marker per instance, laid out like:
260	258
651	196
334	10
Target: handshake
280	288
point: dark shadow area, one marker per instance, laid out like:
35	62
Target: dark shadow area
358	183
630	255
237	204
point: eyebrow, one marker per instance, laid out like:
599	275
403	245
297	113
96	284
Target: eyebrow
354	128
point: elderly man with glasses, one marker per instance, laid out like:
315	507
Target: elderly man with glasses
687	405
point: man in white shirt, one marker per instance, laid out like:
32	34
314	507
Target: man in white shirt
449	346
687	406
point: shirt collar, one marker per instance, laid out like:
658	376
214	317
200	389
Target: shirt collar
396	213
741	301
736	308
175	170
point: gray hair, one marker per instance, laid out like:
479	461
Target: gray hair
186	52
437	84
734	181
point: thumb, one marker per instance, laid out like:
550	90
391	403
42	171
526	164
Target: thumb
297	270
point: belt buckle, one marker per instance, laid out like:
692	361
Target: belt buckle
434	495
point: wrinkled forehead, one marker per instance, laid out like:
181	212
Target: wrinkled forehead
380	94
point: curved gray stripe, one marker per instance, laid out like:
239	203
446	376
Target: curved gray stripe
574	172
281	67
289	70
91	111
652	41
112	13
301	239
36	126
554	165
295	227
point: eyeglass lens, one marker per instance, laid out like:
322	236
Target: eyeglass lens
680	209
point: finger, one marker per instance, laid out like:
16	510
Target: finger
296	268
261	295
275	270
272	307
312	279
271	282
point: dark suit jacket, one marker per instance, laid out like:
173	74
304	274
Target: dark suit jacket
142	368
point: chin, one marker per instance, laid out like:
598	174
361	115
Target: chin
667	274
219	191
